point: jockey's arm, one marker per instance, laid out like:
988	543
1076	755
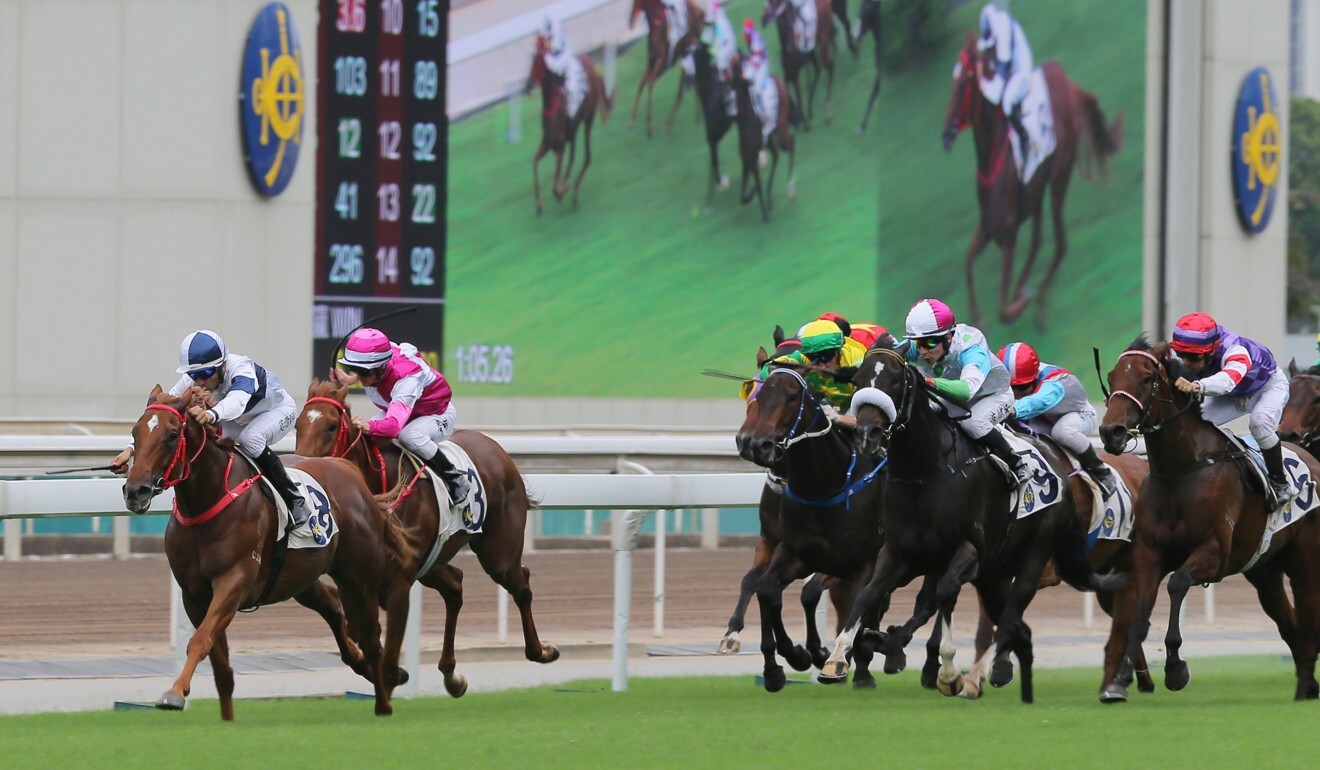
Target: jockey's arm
403	397
1040	402
242	386
1237	362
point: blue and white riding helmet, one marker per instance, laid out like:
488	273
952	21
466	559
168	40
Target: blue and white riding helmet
202	349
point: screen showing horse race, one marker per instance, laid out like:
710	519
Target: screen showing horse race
647	188
380	232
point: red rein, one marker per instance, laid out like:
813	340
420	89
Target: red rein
181	453
342	440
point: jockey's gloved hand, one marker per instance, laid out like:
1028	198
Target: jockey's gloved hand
845	373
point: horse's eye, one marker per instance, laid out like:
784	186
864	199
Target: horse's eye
172	436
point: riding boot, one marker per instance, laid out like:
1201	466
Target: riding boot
1015	120
1099	471
455	480
1283	488
998	446
273	469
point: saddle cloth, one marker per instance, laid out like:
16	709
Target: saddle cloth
318	504
1299	475
1043	490
1038	120
456	515
1111	519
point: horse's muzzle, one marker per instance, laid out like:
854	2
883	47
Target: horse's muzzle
1114	437
870	442
138	497
760	450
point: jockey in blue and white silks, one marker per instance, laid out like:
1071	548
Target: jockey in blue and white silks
1002	36
1236	376
1051	400
756	70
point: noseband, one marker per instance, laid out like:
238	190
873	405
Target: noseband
793	436
903	411
1142	426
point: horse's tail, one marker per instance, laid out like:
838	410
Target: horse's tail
1072	563
1101	140
399	542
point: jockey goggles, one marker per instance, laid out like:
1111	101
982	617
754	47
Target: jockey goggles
203	374
928	343
1193	358
822	356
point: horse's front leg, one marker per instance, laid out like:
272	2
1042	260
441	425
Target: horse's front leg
678	100
812	590
586	160
224	675
637	100
898	637
1020	297
760	560
1147	572
784	568
1008	250
871	604
448	581
227	593
1203	566
561	174
536	176
324	600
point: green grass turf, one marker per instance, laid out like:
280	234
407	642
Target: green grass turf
653	286
1237	712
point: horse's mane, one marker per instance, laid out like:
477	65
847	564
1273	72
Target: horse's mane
194	396
326	389
1141	342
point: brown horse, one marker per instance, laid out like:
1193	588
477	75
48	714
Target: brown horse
869	20
659	55
559	128
1301	417
793	60
325	429
1201	517
751	140
1005	201
222	547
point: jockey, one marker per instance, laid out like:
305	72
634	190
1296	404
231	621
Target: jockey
958	364
251	407
1051	400
1236	376
857	338
829	362
558	50
756	70
804	27
718	34
414	399
1003	38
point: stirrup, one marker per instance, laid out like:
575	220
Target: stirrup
1107	483
1283	491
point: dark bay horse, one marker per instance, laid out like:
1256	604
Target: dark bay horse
660	56
869	21
1301	417
325	429
559	128
947	515
221	545
1201	517
1004	201
751	140
713	92
793	60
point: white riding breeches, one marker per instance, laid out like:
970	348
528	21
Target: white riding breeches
1265	407
987	412
1072	431
253	432
422	435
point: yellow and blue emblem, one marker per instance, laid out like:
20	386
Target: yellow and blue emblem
272	99
1257	150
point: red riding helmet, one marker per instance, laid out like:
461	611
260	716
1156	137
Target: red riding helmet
1022	362
1196	333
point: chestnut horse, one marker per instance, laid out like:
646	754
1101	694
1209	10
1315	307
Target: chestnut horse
559	128
222	547
325	429
1005	202
659	55
793	60
1301	417
751	140
1201	517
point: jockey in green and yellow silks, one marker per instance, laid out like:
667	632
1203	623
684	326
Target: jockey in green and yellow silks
829	361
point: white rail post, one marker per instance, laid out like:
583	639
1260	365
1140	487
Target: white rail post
611	66
1088	609
13	539
121	539
1210	603
710	529
625	527
658	597
181	629
412	643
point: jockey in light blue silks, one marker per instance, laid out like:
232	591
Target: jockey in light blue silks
1003	38
718	34
756	70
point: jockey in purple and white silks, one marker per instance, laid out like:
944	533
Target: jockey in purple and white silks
251	408
1007	85
756	70
1236	376
958	364
415	400
1052	401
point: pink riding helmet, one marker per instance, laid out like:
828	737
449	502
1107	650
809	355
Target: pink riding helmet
367	349
929	318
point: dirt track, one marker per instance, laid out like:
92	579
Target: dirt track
56	607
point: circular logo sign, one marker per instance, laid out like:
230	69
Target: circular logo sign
1257	150
271	99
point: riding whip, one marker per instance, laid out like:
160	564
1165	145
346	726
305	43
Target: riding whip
81	470
334	354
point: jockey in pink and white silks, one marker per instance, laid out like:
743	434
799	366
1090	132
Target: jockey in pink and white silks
1007	85
415	400
958	365
1052	401
756	71
251	407
1236	376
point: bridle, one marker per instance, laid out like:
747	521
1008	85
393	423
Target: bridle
793	436
903	411
343	444
1143	427
179	459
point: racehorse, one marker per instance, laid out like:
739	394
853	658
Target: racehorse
559	128
1301	417
949	512
325	428
869	20
659	55
1005	202
751	140
1201	517
713	92
793	60
222	545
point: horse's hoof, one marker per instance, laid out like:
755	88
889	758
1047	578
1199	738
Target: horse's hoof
970	691
775	679
384	709
833	672
549	654
1001	673
863	682
171	701
1177	676
930	675
1114	693
401	678
895	662
949	688
456	685
792	189
1145	684
798	658
729	645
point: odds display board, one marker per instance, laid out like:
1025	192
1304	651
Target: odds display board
380	173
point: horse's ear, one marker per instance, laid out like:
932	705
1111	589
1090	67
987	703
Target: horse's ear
341	395
1292	367
761	357
154	394
311	388
779	335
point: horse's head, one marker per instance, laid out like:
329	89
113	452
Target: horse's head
1301	417
160	441
323	425
885	386
782	411
965	100
1142	396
